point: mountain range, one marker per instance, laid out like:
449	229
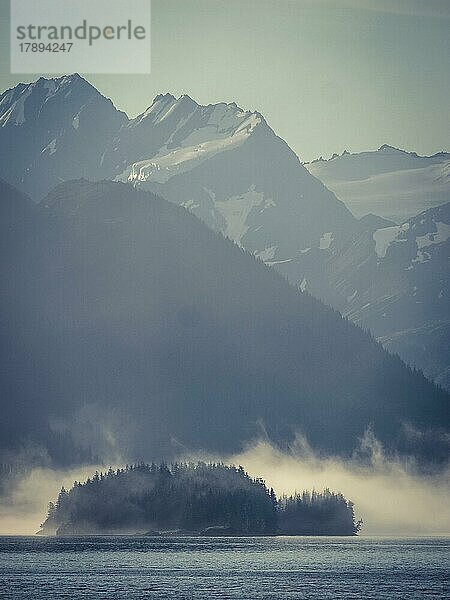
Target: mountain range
389	182
394	281
228	167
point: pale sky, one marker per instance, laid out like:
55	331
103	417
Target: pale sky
328	75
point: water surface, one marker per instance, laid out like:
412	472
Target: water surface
226	568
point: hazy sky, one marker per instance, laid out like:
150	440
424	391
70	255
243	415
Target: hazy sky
328	75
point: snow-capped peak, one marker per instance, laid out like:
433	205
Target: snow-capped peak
26	99
392	149
176	134
163	106
163	98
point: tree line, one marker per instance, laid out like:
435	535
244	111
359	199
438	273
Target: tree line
193	498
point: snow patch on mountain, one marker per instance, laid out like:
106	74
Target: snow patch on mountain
267	254
51	147
352	296
442	235
325	240
271	263
421	257
190	204
167	163
383	238
235	211
223	127
303	284
174	136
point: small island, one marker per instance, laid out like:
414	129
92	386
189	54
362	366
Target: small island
193	499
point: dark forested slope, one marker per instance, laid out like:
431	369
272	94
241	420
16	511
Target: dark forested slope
129	328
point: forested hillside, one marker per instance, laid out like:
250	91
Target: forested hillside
130	328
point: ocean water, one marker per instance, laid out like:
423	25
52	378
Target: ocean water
274	568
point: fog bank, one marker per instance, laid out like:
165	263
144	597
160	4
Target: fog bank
25	508
389	496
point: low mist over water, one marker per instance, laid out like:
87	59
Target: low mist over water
389	495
